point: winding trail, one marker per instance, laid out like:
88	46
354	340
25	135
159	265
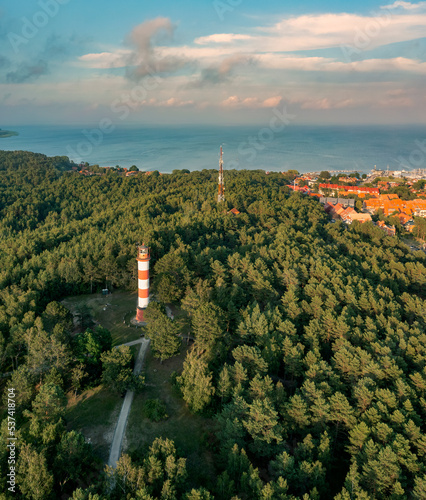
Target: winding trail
120	428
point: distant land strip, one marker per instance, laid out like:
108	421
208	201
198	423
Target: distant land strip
7	133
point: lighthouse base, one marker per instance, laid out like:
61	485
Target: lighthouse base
138	320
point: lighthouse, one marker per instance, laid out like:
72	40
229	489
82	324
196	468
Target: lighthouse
143	259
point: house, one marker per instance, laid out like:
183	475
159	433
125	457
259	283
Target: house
419	208
347	214
390	230
383	185
409	226
346	202
392	205
303	189
234	211
348	189
360	217
404	218
348	180
328	207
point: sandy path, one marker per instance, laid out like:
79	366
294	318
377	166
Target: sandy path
125	409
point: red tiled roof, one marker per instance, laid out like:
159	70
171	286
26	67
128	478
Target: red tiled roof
350	189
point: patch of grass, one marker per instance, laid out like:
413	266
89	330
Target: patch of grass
94	413
188	431
155	410
113	312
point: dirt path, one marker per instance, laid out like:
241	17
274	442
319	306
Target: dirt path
125	409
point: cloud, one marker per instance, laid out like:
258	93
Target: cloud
222	72
405	5
329	30
374	66
221	38
106	60
55	50
327	103
27	72
172	102
144	60
251	102
394	65
395	98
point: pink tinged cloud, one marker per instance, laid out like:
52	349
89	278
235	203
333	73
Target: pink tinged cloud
308	32
396	64
251	102
326	103
106	60
222	38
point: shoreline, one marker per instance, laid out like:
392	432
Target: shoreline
4	134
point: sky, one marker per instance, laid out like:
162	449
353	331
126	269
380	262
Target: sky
227	62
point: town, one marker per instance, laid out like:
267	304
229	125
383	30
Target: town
391	199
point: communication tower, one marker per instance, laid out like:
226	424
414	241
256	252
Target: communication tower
221	192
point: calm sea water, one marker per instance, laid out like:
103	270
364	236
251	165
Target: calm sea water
304	148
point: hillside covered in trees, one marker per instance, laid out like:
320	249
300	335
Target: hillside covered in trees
309	349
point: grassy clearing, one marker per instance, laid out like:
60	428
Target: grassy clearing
94	413
113	312
189	432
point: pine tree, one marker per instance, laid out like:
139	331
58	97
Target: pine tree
297	413
36	482
224	384
357	437
196	382
251	359
262	424
163	332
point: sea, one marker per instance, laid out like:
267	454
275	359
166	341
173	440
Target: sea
302	148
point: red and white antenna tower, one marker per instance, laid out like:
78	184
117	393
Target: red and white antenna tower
221	192
144	256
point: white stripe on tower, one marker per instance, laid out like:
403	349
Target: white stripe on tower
143	265
142	284
143	303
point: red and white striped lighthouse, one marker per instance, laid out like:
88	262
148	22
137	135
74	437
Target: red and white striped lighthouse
143	259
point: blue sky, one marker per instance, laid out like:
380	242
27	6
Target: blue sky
220	61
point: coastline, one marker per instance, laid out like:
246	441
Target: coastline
4	134
303	148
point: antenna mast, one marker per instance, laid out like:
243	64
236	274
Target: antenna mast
221	191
